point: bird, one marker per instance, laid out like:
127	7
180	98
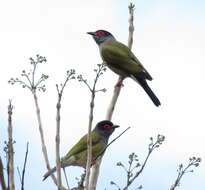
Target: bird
77	156
120	59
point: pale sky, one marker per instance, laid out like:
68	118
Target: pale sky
169	40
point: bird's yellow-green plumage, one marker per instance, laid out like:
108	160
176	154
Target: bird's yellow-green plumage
77	156
120	59
79	151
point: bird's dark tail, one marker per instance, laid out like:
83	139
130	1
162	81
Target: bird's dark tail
49	173
149	92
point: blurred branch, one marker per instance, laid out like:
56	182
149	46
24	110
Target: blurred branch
10	149
70	76
99	71
2	180
24	168
193	162
116	93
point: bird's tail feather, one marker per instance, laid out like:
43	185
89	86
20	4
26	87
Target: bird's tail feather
149	92
49	173
65	161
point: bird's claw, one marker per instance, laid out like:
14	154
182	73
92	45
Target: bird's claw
119	83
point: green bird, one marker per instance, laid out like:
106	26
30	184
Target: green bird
77	156
120	59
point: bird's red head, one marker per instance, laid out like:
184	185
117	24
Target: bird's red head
100	33
101	36
106	125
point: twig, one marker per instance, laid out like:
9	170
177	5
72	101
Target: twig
10	148
2	180
89	142
152	147
19	173
99	71
116	93
102	152
24	167
66	179
43	145
32	86
131	8
183	170
70	75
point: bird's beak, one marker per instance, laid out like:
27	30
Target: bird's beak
115	126
91	33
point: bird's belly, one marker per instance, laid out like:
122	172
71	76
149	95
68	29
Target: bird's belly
117	70
81	159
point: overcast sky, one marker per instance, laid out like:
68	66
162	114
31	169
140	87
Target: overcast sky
169	40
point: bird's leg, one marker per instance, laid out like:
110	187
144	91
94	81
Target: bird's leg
93	162
119	82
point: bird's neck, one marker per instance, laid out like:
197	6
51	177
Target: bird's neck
104	135
110	39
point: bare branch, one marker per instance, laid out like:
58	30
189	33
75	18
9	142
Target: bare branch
2	180
32	86
99	71
66	179
40	127
11	185
24	168
92	88
70	75
116	93
131	8
19	173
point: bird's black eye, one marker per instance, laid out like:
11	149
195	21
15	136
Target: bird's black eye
99	33
106	126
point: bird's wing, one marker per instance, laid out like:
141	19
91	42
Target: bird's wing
81	145
144	72
119	56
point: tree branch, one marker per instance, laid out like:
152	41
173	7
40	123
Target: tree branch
24	168
116	93
10	148
40	127
2	180
70	75
32	86
99	71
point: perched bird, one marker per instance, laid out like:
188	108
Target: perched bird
77	156
120	59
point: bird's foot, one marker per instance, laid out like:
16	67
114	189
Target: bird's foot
119	83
